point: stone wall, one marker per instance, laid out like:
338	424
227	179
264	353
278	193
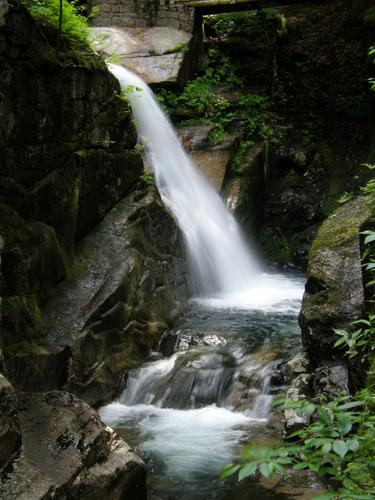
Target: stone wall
143	13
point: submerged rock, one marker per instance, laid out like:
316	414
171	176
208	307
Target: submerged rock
67	452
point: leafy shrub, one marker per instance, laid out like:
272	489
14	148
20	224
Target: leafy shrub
74	26
338	443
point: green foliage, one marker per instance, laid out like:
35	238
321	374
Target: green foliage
239	158
74	26
360	342
148	178
201	98
344	198
338	444
241	24
181	47
129	90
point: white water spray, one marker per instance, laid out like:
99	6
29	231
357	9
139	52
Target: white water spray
222	267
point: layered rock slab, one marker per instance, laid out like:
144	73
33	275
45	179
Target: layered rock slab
157	54
68	452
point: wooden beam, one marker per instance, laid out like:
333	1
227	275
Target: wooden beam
221	6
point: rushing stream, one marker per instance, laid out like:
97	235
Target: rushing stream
188	413
188	410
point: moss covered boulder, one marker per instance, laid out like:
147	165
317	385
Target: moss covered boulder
334	295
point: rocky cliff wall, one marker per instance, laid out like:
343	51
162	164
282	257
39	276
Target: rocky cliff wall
68	156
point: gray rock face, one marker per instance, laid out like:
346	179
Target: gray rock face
156	54
10	435
68	452
68	142
128	289
331	379
334	295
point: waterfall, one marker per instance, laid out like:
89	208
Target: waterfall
223	269
219	260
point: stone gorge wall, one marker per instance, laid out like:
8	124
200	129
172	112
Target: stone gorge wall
67	146
86	280
143	13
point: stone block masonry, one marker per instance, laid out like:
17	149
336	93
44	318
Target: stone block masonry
144	13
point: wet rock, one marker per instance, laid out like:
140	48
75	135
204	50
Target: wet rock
245	194
112	313
293	420
331	379
68	452
155	54
298	364
185	341
10	435
212	160
334	293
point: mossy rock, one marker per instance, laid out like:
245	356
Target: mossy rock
32	258
334	295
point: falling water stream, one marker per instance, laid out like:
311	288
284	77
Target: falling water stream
189	409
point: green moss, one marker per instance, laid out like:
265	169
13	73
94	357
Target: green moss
342	226
361	475
22	317
25	348
369	18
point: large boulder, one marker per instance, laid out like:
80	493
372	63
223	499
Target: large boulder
334	293
127	288
68	452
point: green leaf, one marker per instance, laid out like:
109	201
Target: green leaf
326	448
300	466
309	409
264	470
229	470
353	444
353	404
370	238
247	470
325	417
340	448
314	466
345	423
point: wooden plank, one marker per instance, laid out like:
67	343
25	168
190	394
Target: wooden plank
216	6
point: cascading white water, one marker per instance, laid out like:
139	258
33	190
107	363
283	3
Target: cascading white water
221	264
191	410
